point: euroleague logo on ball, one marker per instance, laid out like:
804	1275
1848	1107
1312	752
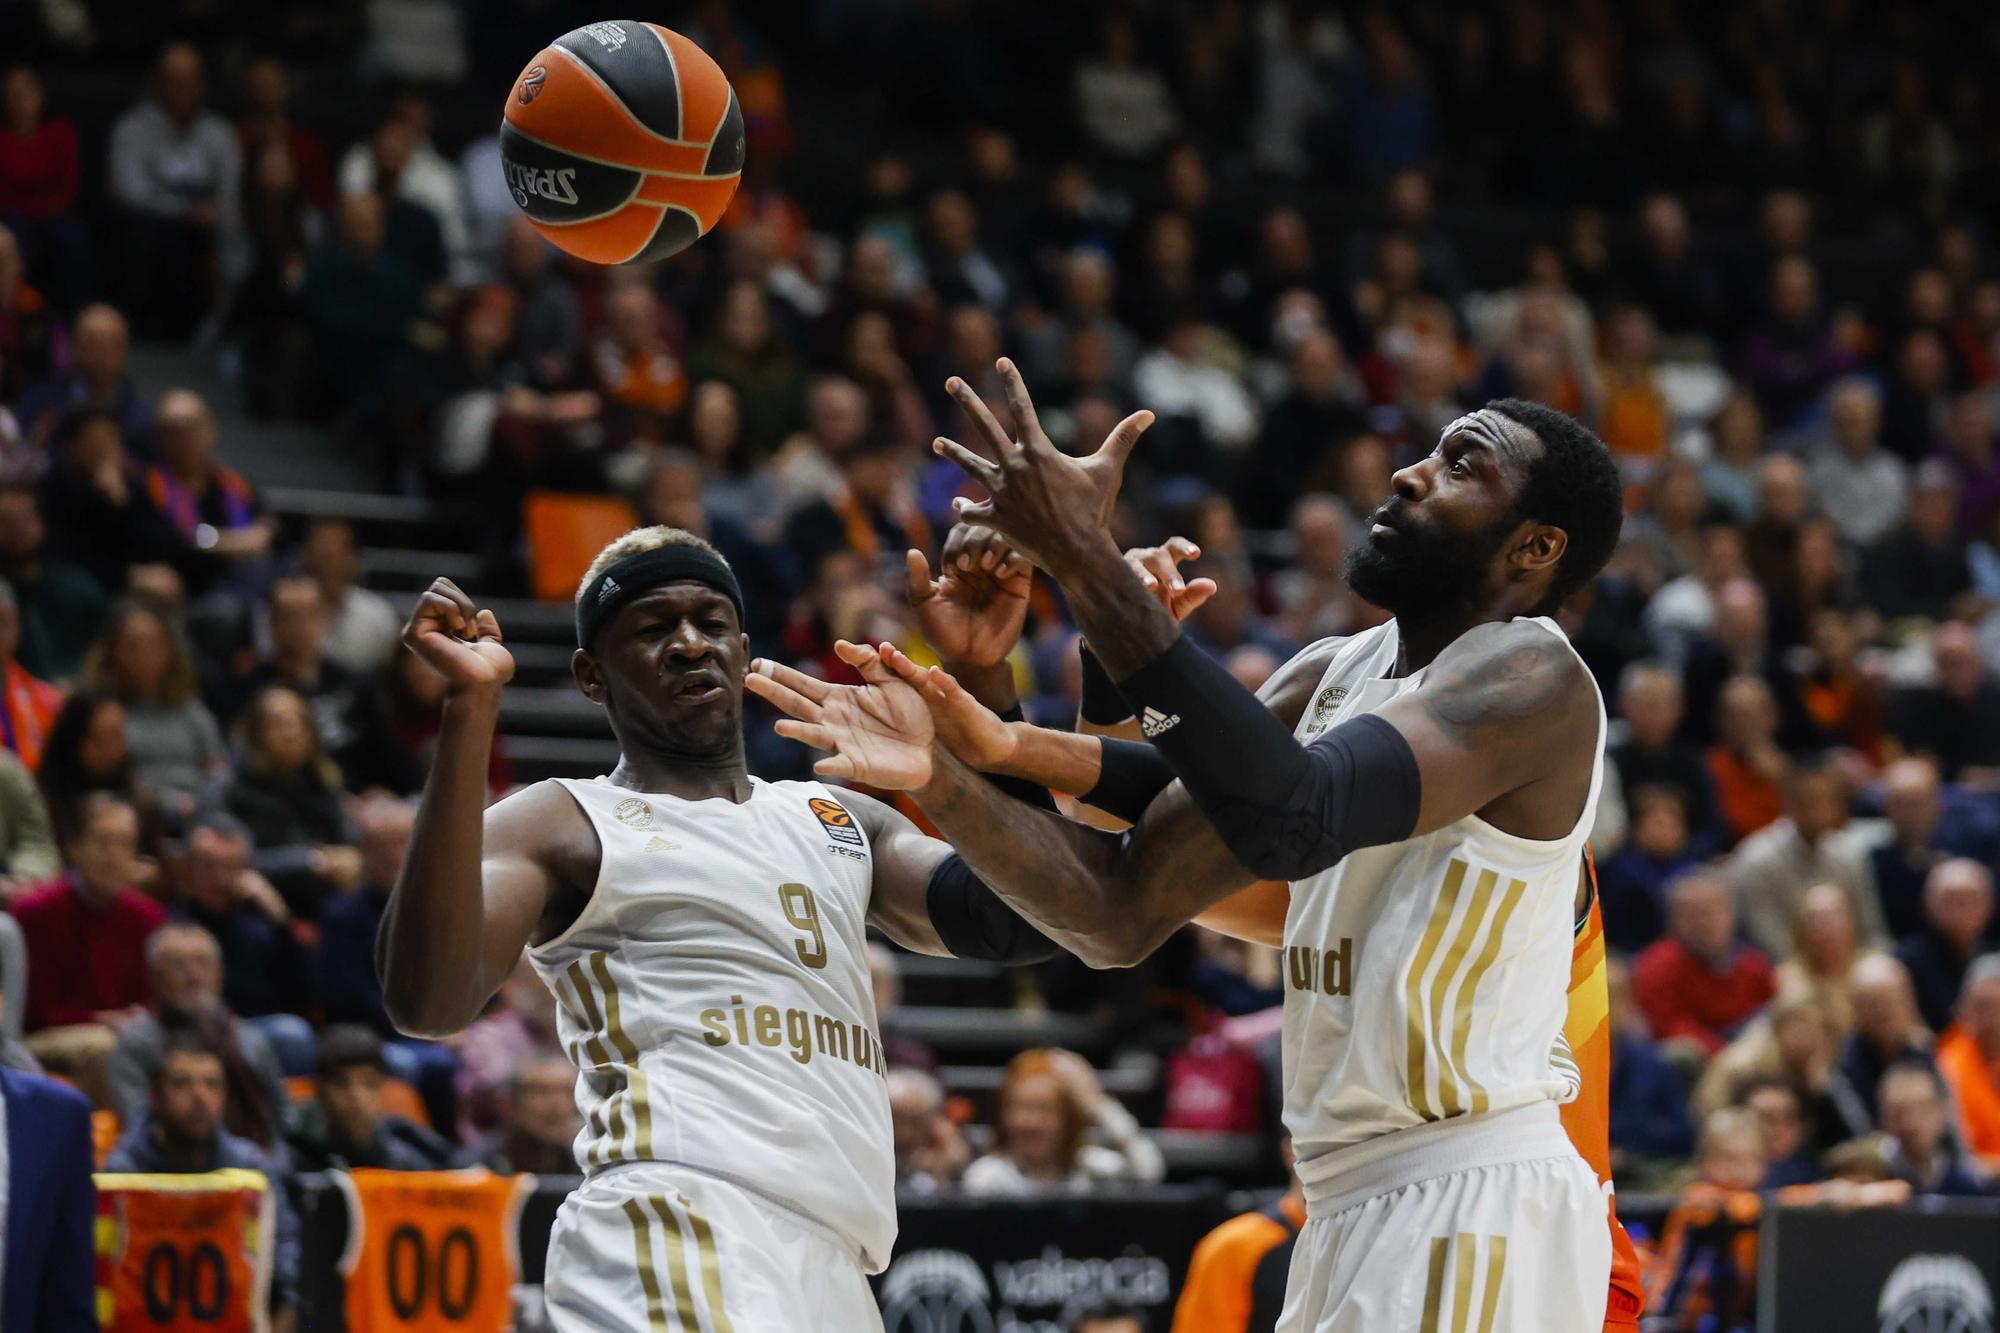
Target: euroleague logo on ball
531	84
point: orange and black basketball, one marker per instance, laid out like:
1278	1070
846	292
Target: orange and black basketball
622	141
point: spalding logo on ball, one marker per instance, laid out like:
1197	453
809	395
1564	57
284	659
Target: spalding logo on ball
622	141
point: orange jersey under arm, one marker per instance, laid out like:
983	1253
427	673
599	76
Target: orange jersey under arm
1588	1119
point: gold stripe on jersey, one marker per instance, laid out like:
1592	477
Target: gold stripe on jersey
1461	1282
1448	972
649	1275
1413	984
1434	1286
1462	1018
1496	1270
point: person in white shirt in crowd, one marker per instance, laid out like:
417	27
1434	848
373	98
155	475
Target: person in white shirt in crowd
1059	1130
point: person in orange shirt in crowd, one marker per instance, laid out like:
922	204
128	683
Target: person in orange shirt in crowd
1968	1055
637	368
28	707
1745	763
1236	1279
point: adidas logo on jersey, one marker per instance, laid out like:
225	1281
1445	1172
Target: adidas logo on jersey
656	843
1155	723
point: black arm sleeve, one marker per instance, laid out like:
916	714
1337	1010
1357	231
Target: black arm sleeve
1132	773
1284	810
973	923
1022	790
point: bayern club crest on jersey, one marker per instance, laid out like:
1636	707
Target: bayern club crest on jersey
531	84
1324	708
634	813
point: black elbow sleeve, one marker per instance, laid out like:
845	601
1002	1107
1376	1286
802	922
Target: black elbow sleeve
1130	775
1284	810
973	922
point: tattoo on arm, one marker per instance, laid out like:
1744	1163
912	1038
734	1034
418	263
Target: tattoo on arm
1487	692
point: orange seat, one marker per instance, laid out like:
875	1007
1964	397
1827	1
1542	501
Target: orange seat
398	1097
565	533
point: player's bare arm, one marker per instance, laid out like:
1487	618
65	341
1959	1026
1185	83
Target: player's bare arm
1109	898
477	885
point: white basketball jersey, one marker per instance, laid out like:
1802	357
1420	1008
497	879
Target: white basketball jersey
715	996
1424	979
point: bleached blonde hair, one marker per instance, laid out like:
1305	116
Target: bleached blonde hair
643	539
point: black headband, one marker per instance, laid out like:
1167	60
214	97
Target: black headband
644	571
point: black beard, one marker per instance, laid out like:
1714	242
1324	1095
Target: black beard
1422	574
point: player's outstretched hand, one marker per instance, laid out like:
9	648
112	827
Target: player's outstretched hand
879	732
972	612
457	641
968	728
1158	567
1050	506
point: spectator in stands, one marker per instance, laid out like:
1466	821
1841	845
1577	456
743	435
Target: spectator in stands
34	344
399	162
1887	1029
539	1121
27	840
362	628
747	350
1862	487
175	170
348	986
1237	1274
361	299
1956	720
86	753
212	507
1050	1103
412	709
1748	769
1782	1119
1916	1118
1793	1041
1698	984
1823	954
930	1152
86	933
1957	924
40	170
185	966
1706	1261
523	1023
27	705
346	716
97	379
1647	1103
183	1133
1927	823
265	972
1969	1058
1233	976
1773	868
267	119
48	1207
286	789
548	335
1654	753
267	315
885	977
345	1127
59	605
1089	291
144	661
1634	882
636	368
869	511
1791	355
99	513
1921	570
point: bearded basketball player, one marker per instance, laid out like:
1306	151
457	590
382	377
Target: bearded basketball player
702	931
1425	788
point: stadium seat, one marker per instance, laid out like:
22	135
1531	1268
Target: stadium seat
565	533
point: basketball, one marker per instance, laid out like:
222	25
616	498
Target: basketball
622	141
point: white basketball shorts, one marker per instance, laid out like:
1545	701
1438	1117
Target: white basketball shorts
1487	1224
654	1247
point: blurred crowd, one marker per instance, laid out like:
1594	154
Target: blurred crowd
1752	252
